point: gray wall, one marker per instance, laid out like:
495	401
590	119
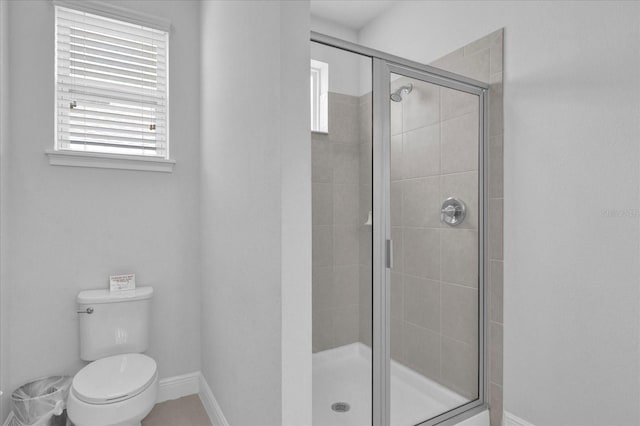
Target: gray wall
256	210
69	228
571	131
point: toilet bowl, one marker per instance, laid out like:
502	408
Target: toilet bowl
117	390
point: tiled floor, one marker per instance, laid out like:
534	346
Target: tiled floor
186	411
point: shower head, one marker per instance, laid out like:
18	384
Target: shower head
403	90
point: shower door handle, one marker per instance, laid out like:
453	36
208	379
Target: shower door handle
390	254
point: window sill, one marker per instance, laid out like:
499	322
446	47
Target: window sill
319	132
109	161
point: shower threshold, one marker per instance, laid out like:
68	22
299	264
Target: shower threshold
344	374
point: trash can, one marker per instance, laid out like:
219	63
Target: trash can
41	402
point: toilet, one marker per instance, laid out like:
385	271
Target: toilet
120	385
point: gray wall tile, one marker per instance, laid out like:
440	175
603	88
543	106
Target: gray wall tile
495	405
422	302
396	118
396	340
365	247
346	285
322	329
460	313
321	167
343	119
495	229
496	54
421	202
421	350
421	107
322	204
460	367
346	205
365	165
322	245
396	203
496	295
460	256
340	205
365	305
496	167
397	236
322	284
396	157
345	245
397	295
495	352
495	105
456	103
345	325
345	163
460	144
475	65
422	253
421	152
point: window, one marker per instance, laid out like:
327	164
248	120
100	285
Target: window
111	86
319	96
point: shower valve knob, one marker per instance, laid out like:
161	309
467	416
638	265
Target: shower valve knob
453	211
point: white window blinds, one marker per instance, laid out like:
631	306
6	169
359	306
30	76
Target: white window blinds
111	86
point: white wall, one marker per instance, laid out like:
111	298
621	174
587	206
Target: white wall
349	74
69	228
295	184
572	103
4	133
256	210
344	72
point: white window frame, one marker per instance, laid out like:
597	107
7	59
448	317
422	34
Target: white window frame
62	157
319	85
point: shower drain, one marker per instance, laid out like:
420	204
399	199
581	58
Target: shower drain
340	407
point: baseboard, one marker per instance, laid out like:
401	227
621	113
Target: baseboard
178	386
211	405
509	419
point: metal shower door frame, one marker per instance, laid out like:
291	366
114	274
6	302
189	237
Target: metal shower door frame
382	70
383	65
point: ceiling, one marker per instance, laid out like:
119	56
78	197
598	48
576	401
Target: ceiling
353	14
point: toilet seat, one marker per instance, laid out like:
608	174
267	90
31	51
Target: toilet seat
115	378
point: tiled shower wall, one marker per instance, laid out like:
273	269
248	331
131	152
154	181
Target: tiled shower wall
434	294
483	60
337	224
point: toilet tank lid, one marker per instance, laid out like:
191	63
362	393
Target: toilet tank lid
106	296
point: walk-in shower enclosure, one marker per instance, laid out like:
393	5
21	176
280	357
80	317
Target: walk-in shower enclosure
398	239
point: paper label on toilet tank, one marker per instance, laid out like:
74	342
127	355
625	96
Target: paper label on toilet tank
122	282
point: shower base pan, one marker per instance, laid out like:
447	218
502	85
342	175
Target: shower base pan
343	375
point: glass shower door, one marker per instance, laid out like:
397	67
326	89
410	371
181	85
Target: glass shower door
432	217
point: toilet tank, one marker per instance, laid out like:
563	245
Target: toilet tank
113	323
